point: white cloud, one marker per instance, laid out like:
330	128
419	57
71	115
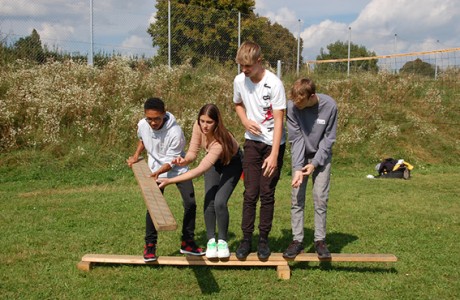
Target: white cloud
53	32
407	15
120	23
22	8
42	8
285	17
318	36
326	31
306	10
152	19
134	42
262	4
417	25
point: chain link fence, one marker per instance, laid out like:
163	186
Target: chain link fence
123	31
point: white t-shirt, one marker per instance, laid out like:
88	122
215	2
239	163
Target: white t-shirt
260	99
163	145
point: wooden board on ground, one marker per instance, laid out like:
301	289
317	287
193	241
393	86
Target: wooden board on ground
156	204
275	260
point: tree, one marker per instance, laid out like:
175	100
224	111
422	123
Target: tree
339	50
418	67
6	53
30	47
276	41
209	28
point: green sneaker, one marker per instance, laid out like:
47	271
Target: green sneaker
222	249
211	249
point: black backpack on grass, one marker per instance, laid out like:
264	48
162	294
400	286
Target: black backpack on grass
386	169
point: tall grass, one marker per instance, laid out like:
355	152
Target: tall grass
65	107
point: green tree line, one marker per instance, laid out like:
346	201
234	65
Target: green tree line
209	29
31	49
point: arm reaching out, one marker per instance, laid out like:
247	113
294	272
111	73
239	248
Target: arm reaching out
135	158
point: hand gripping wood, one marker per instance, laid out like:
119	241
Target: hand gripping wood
156	204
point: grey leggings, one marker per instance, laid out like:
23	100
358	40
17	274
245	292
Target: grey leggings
219	183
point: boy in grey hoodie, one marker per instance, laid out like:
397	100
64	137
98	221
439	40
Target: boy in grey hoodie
312	125
163	140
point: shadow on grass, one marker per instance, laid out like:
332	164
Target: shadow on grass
208	283
329	266
206	280
203	274
336	241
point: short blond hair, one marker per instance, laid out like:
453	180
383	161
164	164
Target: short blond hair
248	53
302	89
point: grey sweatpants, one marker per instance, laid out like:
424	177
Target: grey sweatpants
321	184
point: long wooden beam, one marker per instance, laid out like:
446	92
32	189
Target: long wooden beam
383	56
275	260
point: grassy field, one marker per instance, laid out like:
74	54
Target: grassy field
65	191
51	214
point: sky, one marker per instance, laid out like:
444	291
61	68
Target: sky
382	26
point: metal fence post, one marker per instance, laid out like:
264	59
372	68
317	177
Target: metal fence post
239	36
349	45
278	67
91	49
169	34
298	51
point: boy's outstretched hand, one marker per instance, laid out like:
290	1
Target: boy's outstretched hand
132	160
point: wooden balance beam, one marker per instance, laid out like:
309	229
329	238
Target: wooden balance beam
156	204
275	260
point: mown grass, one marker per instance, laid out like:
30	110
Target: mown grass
52	215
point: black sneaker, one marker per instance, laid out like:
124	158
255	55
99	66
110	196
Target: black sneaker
263	251
322	250
189	247
149	252
293	250
244	249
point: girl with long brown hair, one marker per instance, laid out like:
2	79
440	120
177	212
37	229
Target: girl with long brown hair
222	169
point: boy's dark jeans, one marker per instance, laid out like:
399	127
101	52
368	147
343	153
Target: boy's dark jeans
258	186
188	225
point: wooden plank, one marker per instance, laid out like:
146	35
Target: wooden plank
275	259
190	260
344	257
383	56
84	266
284	272
156	204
